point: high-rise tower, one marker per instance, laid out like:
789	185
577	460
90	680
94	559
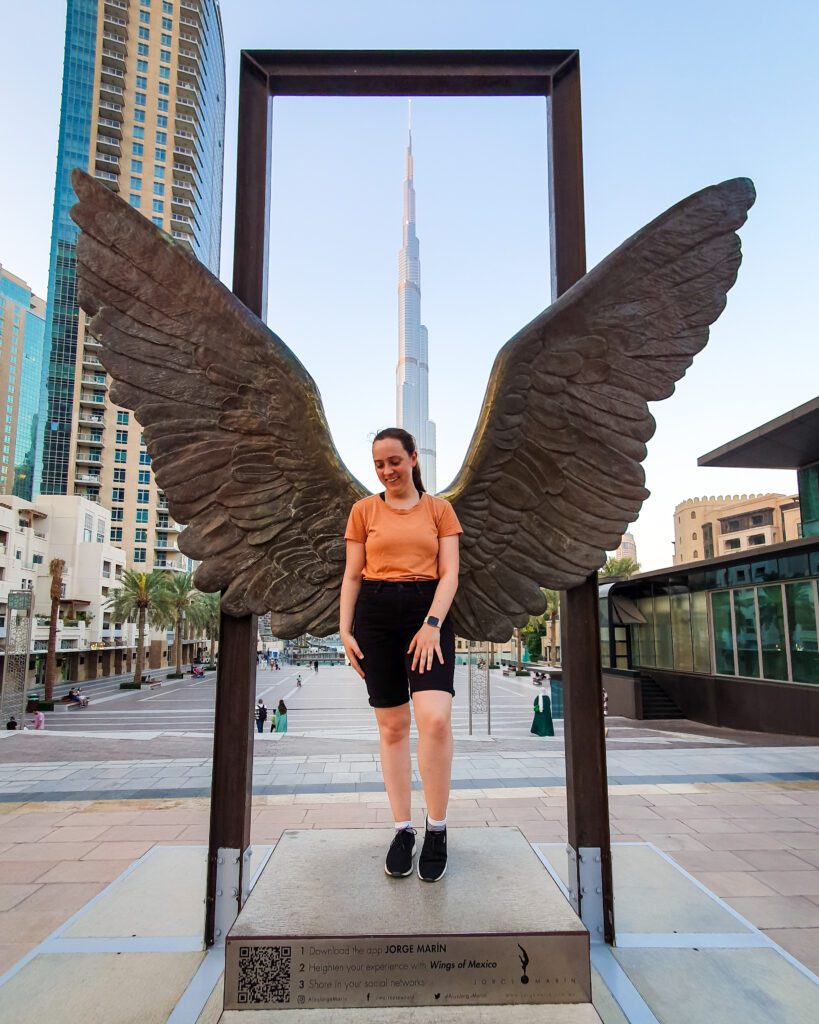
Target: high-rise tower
412	371
143	111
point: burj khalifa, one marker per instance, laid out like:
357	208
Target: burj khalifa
412	371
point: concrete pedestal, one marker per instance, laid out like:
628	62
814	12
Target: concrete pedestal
325	928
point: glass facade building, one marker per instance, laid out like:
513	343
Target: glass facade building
144	113
22	335
755	619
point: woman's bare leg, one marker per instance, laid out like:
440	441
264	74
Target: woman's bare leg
433	717
396	766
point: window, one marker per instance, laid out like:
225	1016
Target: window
159	188
88	525
159	171
162	138
119	476
166	39
144	459
693	515
142	497
37	559
142	49
116	534
167	8
120	455
144	33
139	115
139	131
117	494
166	56
142	515
161	121
756	538
145	17
144	3
159	206
100	531
136	167
733	545
133	200
157	221
162	105
140	554
122	437
167	24
141	536
694	535
139	99
116	515
159	154
122	417
165	72
141	82
164	89
144	476
136	184
142	65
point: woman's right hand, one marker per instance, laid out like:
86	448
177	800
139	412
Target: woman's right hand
353	652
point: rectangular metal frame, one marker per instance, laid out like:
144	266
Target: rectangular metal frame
555	75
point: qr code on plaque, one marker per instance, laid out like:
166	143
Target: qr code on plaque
264	974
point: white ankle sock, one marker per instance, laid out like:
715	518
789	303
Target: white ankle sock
401	825
436	826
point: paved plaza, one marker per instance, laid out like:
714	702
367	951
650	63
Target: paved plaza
103	786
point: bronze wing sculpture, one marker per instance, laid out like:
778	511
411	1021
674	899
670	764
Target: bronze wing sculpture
553	475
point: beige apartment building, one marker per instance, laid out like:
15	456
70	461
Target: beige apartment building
710	527
156	134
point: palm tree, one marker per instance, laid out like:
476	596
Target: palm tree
211	617
552	613
620	567
56	567
142	595
184	604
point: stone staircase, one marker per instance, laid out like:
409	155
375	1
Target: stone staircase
656	702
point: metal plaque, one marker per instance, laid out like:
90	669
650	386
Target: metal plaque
383	970
479	656
15	662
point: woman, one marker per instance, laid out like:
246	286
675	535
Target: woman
281	717
399	582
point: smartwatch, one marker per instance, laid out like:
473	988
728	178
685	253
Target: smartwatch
431	620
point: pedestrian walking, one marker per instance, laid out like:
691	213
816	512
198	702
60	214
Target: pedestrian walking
298	680
542	724
315	666
260	714
399	582
281	717
39	719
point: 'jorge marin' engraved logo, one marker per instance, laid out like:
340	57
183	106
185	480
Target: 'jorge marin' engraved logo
524	963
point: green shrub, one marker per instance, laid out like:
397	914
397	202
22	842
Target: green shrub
175	675
129	686
522	672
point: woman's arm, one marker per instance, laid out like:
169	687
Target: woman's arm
350	586
427	641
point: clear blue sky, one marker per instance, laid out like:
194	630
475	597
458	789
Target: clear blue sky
675	96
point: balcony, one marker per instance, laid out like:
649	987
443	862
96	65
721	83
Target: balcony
185	169
167	526
98	380
184	151
90	360
108	89
188	106
183	204
91	342
182	239
112	57
109	179
106	161
89	494
108	142
190	54
112	19
185	185
86	458
117	4
91	419
92	398
91	439
109	125
111	108
115	39
188	37
87	478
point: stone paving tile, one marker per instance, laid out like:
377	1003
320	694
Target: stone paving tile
12	893
48	851
119	851
802	943
777	911
708	860
142	833
25	871
82	871
76	834
735	883
809	856
790	883
10	953
747	841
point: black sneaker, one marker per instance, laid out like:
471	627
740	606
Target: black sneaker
432	862
399	856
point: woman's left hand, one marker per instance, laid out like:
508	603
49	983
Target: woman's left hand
424	646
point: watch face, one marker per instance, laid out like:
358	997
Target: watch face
432	620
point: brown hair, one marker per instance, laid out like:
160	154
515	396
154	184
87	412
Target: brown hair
409	446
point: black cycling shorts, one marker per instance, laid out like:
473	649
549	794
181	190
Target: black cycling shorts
387	617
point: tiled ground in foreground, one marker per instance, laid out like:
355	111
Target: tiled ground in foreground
754	844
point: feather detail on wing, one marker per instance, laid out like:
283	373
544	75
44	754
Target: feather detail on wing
554	475
233	422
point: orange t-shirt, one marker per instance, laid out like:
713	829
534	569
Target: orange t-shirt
401	543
